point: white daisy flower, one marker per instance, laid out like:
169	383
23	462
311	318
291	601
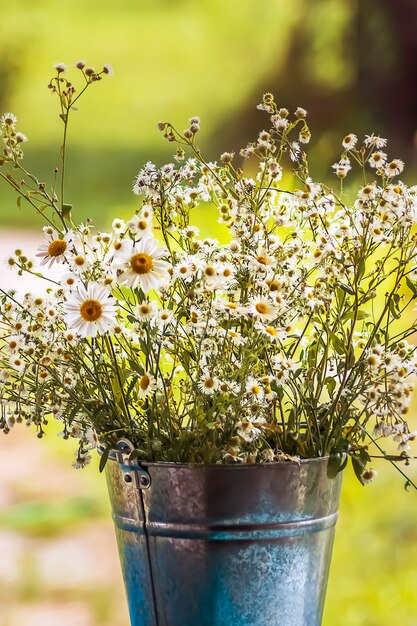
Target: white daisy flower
81	461
142	266
375	141
140	226
349	142
68	280
164	317
342	168
89	311
91	436
368	475
272	334
13	345
146	385
54	248
118	226
377	159
226	271
79	263
249	428
146	310
254	388
263	309
263	261
17	364
208	384
184	270
394	168
229	386
9	119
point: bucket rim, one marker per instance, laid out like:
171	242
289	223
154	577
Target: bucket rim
113	456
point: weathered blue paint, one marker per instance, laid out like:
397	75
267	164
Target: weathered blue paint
225	545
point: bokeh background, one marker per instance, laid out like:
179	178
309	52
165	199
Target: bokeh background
353	65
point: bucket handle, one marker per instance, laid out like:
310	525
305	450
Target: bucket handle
135	474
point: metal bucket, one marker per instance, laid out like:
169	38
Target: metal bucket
224	545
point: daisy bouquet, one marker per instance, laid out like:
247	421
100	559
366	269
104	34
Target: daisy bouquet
289	340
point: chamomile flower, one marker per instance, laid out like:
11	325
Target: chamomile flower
350	141
250	428
118	226
141	265
254	389
81	460
263	309
90	310
55	247
272	334
163	318
208	384
368	475
146	310
375	141
146	385
140	226
184	270
79	263
377	159
394	168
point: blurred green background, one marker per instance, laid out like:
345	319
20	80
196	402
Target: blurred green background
353	65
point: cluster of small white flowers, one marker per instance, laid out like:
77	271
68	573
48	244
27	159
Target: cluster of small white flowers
243	351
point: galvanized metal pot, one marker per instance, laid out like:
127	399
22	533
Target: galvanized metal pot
224	545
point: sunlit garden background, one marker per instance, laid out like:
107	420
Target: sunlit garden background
352	65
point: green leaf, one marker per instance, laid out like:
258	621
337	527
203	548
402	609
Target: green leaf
351	357
66	210
104	458
361	315
346	288
412	287
136	366
336	464
361	269
337	343
393	311
330	383
357	468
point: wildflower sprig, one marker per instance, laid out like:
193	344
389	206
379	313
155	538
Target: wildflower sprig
283	342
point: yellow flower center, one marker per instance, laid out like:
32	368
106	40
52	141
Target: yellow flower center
57	247
274	285
261	308
209	383
271	331
141	263
79	260
262	260
91	310
144	309
144	382
210	271
143	225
